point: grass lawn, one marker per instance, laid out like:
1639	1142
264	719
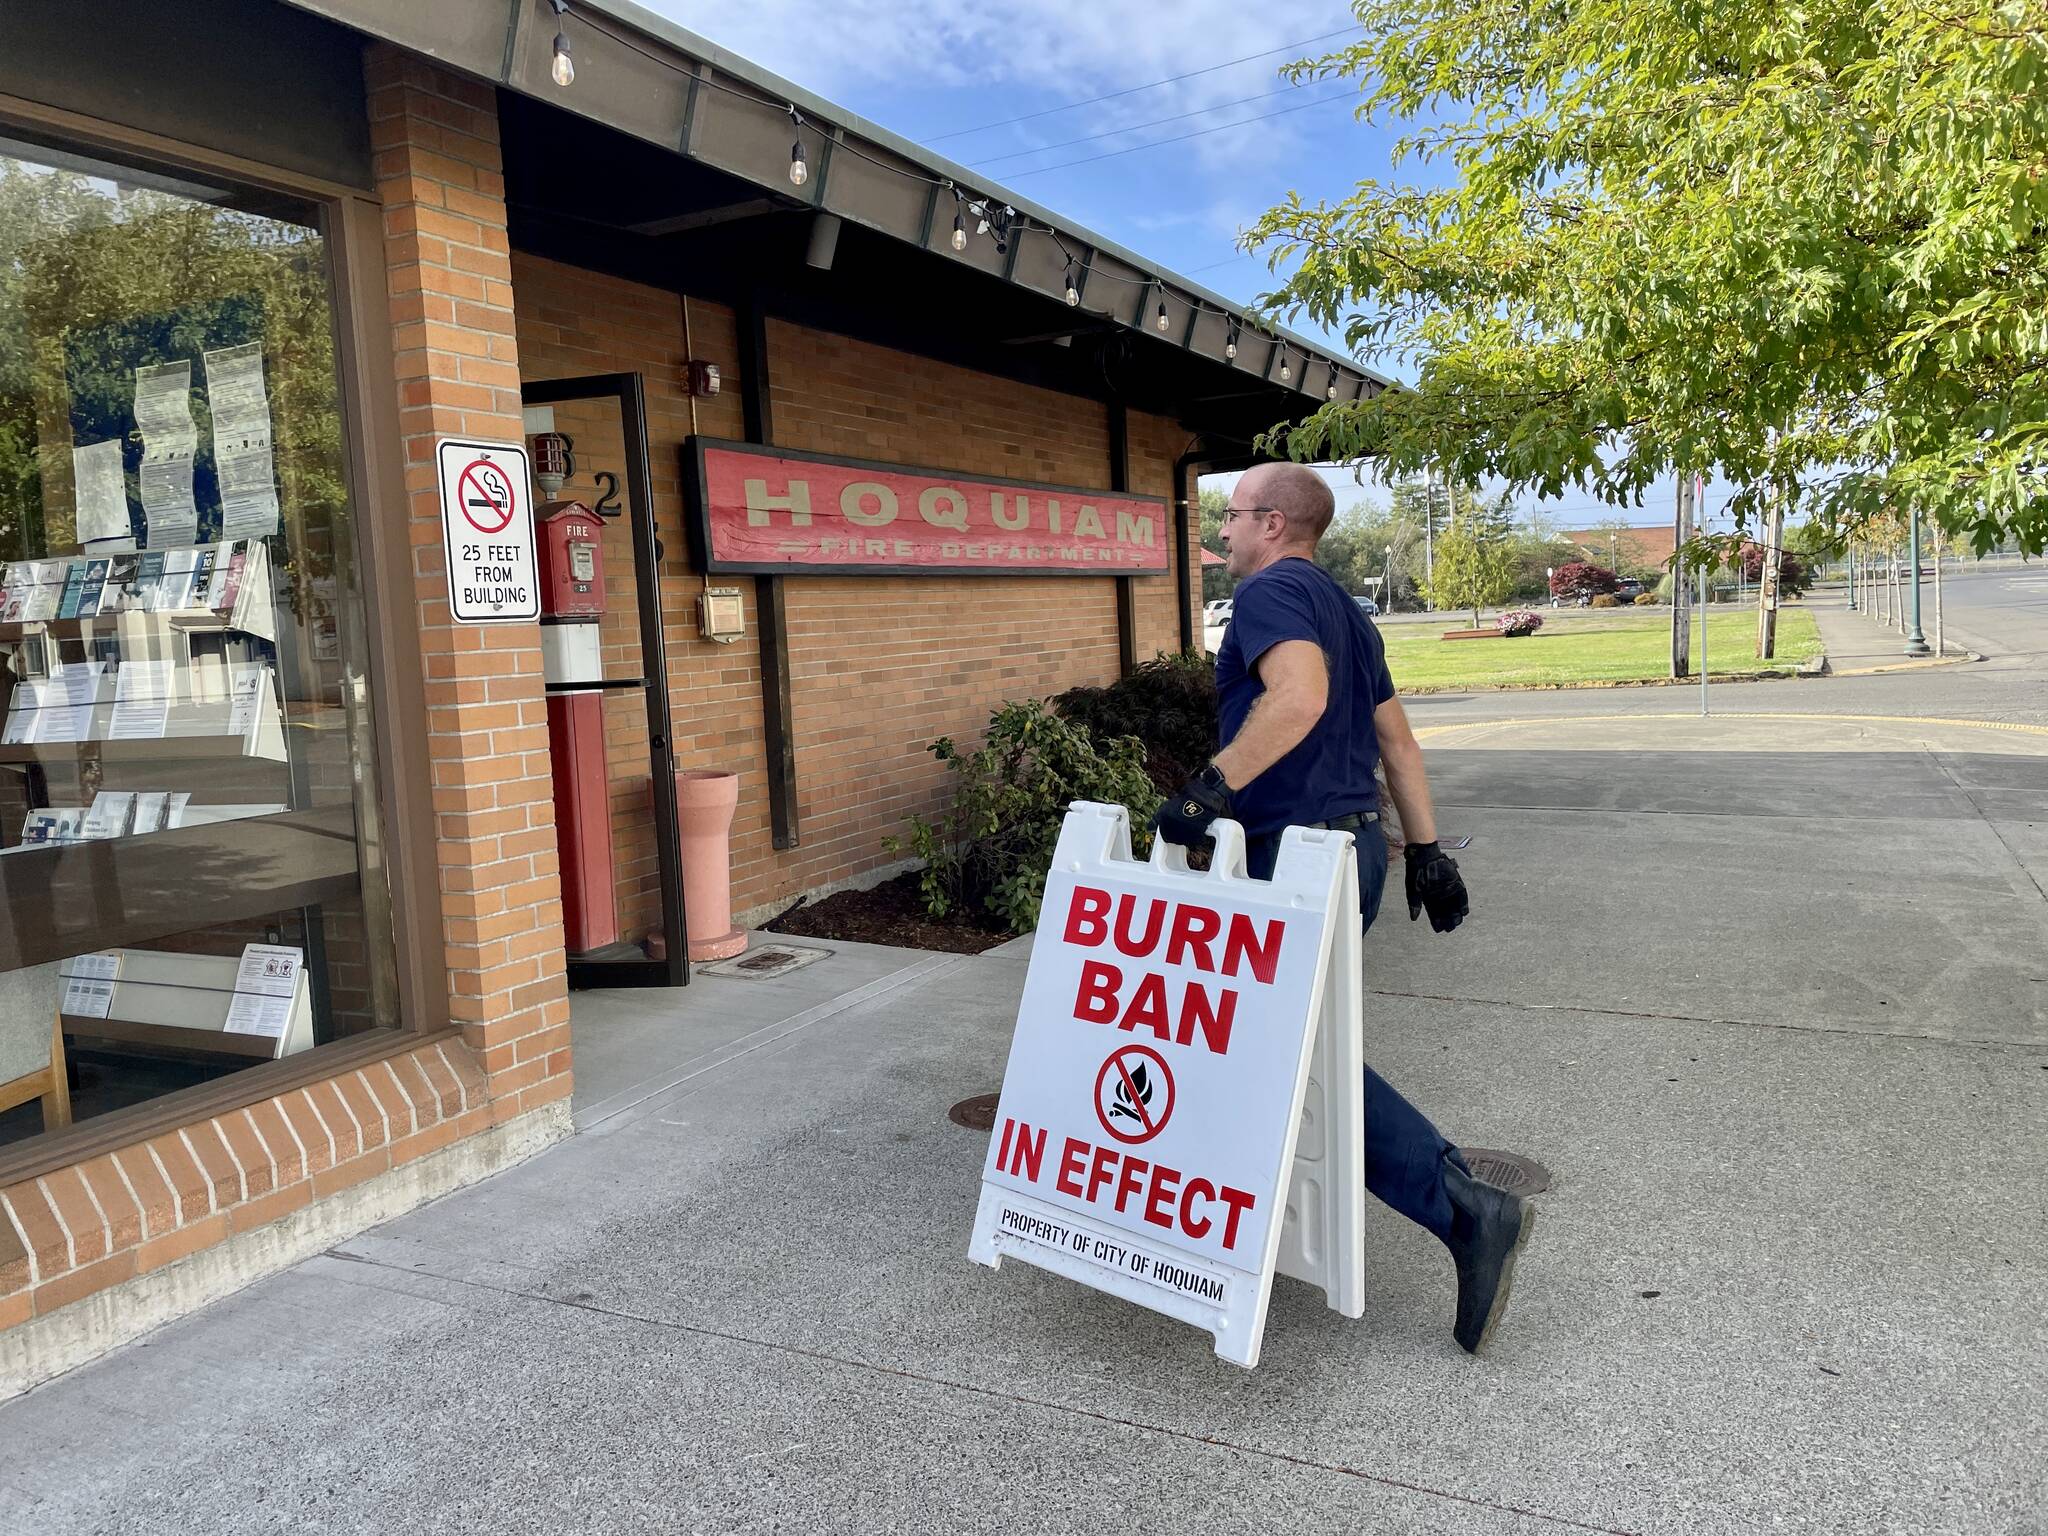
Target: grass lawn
1588	649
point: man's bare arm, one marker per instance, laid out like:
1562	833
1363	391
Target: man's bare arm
1297	691
1401	753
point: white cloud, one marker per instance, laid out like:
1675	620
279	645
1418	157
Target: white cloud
1054	46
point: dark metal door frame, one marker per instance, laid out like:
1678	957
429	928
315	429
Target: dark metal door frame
626	389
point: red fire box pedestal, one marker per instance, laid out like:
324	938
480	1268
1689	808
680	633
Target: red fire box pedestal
583	823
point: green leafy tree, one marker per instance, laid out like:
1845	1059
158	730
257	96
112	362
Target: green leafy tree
1802	245
1212	504
1471	571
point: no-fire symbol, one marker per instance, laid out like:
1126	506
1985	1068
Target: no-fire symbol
1134	1093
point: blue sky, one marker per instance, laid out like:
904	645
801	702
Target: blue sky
930	69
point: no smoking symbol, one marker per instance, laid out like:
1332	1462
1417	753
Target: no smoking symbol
1134	1093
486	496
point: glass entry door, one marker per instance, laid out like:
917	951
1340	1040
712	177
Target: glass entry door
608	715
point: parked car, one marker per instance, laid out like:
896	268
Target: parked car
1366	605
1629	590
1216	611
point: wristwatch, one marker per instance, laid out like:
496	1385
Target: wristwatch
1211	777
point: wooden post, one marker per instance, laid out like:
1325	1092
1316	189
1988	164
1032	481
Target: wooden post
1681	589
1767	578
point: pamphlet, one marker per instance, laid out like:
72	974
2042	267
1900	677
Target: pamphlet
91	586
48	591
174	591
249	681
142	700
241	441
74	590
15	588
89	984
170	440
58	824
69	698
110	813
265	983
101	493
150	807
24	714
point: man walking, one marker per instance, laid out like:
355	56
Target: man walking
1308	712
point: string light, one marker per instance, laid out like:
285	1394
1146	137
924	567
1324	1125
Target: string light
1001	224
564	67
799	173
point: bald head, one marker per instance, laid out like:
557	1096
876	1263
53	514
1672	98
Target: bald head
1297	493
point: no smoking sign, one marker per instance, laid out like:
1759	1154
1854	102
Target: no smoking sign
487	525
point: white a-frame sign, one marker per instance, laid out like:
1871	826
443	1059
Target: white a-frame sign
1183	1112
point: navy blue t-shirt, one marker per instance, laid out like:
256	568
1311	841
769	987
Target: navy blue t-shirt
1330	773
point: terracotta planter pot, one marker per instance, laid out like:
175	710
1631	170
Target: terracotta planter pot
705	802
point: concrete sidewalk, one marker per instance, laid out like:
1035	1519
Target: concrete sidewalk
1788	1065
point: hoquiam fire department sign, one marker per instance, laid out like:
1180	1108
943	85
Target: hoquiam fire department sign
1182	1115
769	511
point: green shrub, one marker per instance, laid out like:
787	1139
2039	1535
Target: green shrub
1645	599
990	853
1169	704
1606	600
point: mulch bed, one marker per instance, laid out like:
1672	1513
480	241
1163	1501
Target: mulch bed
891	913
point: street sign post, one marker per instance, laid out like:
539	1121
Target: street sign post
1183	1112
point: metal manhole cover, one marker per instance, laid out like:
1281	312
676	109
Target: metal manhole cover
1510	1171
977	1113
760	964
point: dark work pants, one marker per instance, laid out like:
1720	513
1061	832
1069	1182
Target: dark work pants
1404	1153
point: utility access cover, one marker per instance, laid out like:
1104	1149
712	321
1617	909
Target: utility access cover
760	964
1511	1171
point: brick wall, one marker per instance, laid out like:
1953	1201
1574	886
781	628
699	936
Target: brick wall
440	177
879	666
69	1234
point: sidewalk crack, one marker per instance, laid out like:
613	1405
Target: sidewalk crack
1142	1426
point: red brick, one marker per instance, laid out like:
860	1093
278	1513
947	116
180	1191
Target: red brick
287	1163
81	1218
223	1175
152	1190
274	1206
80	1283
173	1246
39	1228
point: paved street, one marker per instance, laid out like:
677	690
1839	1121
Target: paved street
1767	993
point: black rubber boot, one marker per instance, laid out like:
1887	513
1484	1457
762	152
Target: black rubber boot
1488	1228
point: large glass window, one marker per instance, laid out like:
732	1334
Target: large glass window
189	875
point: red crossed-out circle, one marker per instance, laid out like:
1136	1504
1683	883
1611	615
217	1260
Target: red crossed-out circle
492	497
1120	1072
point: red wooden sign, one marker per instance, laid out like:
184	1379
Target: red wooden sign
768	510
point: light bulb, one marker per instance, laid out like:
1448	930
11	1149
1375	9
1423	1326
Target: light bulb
1073	295
1333	391
959	233
799	173
1230	348
1286	373
1162	321
564	69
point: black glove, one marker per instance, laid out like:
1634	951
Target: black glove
1433	882
1186	815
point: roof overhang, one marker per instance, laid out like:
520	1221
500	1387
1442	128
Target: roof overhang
644	76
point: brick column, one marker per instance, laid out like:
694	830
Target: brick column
440	177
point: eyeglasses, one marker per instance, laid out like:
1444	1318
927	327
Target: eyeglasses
1232	514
